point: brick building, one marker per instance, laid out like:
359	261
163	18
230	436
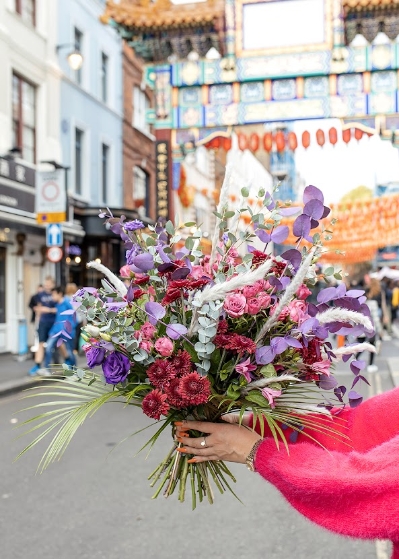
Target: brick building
138	141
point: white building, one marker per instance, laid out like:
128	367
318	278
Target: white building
29	134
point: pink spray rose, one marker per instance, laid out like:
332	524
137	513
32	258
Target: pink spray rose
147	331
283	314
303	292
125	272
146	345
262	285
296	310
250	291
234	304
252	306
264	300
164	347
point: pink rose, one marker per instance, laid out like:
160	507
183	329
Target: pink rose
198	272
303	292
283	314
126	272
234	304
252	306
263	285
164	347
297	310
146	345
264	300
147	331
250	291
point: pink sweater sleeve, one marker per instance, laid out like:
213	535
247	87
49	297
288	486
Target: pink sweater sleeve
354	493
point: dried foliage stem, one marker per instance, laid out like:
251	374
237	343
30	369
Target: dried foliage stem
223	201
116	282
289	292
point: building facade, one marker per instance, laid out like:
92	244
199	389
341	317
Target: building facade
29	133
90	122
138	139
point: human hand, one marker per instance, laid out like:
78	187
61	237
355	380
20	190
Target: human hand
231	442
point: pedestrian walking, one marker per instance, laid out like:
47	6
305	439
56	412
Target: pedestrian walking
353	489
66	348
45	311
34	301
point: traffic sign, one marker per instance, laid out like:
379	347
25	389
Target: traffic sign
54	237
50	197
54	254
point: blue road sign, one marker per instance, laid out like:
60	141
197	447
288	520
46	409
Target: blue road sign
54	237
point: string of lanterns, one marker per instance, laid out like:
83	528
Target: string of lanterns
280	141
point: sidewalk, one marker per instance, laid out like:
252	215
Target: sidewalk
14	373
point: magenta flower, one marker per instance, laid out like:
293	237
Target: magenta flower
322	367
245	368
270	394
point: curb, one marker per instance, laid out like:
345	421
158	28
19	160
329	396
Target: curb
393	365
13	386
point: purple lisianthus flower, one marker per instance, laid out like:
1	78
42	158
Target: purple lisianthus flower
116	367
95	356
134	225
132	253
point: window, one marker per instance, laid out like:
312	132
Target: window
78	39
139	194
104	77
79	138
140	105
24	117
27	10
104	171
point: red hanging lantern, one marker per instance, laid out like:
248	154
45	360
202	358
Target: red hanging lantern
215	143
227	144
306	139
268	141
347	135
358	134
242	142
280	141
320	137
292	141
254	142
333	136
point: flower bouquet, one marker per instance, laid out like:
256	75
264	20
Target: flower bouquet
187	335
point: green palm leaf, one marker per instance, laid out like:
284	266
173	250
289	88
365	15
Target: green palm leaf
76	400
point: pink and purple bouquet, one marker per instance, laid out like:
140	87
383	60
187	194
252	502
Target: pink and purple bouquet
183	334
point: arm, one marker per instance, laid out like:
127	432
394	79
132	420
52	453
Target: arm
354	494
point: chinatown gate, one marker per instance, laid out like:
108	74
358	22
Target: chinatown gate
236	75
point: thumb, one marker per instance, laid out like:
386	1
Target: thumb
233	417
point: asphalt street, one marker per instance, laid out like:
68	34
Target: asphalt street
96	504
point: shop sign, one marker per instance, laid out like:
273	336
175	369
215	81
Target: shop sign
162	154
15	198
50	196
14	171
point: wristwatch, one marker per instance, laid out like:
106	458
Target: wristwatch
250	459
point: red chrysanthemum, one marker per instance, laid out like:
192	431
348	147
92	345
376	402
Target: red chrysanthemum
181	363
187	283
195	389
175	399
160	374
258	257
140	280
223	326
278	268
138	293
171	296
154	404
235	342
311	354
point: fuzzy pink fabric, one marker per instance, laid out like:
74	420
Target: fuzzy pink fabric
354	490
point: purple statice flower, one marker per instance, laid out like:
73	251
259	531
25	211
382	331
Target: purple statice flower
116	367
95	356
225	238
134	225
132	253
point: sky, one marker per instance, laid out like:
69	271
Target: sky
338	169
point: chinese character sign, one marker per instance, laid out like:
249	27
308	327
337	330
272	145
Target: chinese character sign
162	151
